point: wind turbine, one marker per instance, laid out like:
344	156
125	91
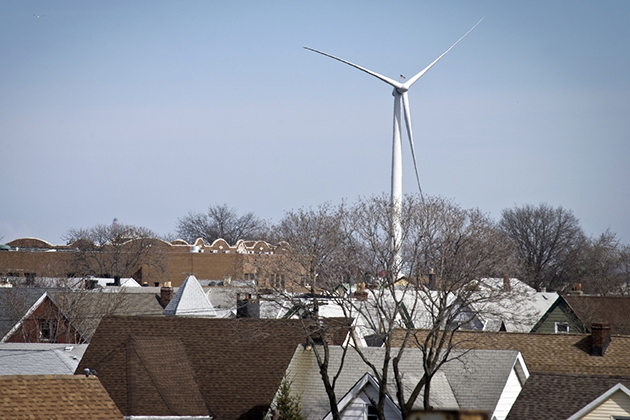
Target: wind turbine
401	100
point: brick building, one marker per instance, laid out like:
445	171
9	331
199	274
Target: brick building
29	259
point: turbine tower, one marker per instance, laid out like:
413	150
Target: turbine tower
401	101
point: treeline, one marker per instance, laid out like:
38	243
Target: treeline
542	245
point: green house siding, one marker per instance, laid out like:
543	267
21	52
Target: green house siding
559	312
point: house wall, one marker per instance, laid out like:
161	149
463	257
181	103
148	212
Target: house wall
560	313
31	332
357	409
617	405
510	392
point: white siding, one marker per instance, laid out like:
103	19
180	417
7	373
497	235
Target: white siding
508	396
617	405
357	409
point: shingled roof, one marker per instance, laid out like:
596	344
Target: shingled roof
558	396
612	310
14	302
471	380
557	353
230	368
67	397
40	358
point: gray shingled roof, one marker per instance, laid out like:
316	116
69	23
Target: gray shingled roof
474	381
14	302
40	358
85	309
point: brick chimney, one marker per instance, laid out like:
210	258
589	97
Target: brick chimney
360	293
600	334
166	293
576	290
247	306
506	283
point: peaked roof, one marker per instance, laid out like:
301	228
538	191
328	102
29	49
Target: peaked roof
601	400
236	364
606	309
559	353
68	397
518	313
559	396
83	308
474	381
190	300
15	302
30	313
161	375
40	358
366	382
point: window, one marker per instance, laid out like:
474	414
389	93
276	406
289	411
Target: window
47	330
562	327
276	280
372	414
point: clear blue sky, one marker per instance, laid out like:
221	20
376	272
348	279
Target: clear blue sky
146	110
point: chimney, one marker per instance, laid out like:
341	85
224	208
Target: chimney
360	293
431	279
166	293
600	334
116	280
247	307
576	290
506	283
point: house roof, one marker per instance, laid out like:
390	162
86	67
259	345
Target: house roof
224	297
559	353
518	313
366	384
559	396
14	303
83	308
40	358
619	389
190	300
234	364
605	309
65	396
474	381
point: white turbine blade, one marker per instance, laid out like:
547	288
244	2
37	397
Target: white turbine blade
413	80
410	134
378	76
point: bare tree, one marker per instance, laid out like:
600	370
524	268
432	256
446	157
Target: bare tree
312	256
548	241
446	251
220	222
115	251
605	265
